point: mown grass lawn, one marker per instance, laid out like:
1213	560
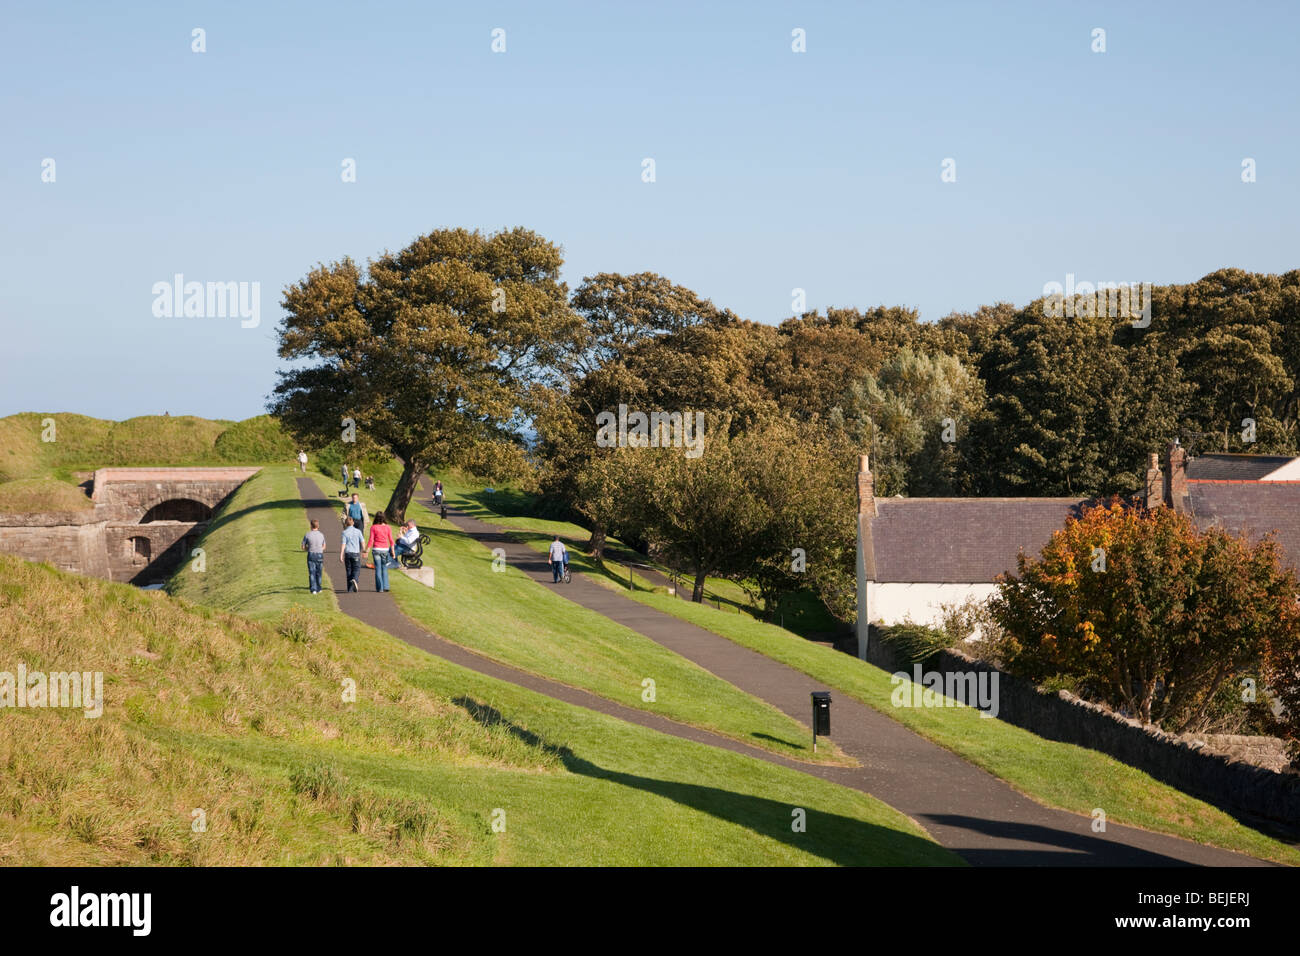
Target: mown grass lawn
1056	774
506	616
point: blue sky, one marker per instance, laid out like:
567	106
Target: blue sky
775	170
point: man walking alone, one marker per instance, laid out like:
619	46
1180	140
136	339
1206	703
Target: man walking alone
559	558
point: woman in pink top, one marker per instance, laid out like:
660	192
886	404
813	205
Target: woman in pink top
380	546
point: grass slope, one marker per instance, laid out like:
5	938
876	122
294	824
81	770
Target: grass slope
246	721
44	458
509	618
248	548
1056	774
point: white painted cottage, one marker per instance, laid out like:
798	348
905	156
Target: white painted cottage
916	555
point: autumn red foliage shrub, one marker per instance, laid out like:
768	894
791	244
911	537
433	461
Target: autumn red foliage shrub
1156	617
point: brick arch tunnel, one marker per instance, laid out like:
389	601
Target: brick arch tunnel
142	524
160	514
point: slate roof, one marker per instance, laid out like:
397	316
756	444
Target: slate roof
1233	467
958	540
1255	508
972	540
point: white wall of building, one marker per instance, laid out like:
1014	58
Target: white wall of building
892	603
1288	472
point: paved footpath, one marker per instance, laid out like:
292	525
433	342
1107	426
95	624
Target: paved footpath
963	807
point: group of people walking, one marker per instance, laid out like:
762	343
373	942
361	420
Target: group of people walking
355	479
384	549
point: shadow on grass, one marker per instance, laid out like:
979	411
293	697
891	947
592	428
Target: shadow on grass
800	613
838	839
780	740
503	502
282	504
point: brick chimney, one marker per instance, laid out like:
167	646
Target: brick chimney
866	488
1155	482
1176	476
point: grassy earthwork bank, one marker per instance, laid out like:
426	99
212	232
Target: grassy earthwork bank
226	739
45	458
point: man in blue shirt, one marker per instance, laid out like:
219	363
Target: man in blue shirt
357	512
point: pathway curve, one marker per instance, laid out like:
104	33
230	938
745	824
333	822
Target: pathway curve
963	807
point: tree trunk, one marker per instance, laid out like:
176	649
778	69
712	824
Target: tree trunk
597	543
698	594
405	490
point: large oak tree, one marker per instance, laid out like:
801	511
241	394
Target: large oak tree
434	352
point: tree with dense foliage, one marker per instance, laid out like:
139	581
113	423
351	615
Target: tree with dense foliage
619	311
914	418
809	535
648	344
818	354
433	353
1234	336
704	514
1075	405
759	506
1147	613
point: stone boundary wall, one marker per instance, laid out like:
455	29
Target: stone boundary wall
49	519
1229	780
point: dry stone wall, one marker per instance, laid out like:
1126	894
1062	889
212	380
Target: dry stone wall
1237	774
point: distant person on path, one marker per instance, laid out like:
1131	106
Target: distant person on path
313	542
345	477
559	558
355	510
410	535
350	553
302	461
356	478
380	546
437	492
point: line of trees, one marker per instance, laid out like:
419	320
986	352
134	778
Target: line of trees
459	347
